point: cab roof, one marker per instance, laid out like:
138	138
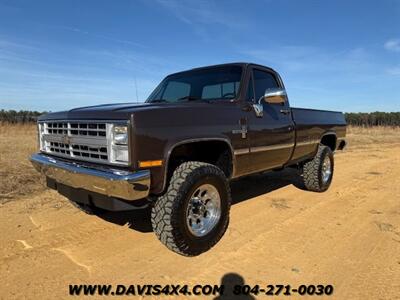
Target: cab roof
242	64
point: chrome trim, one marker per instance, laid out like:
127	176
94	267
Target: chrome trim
242	151
258	109
107	181
243	130
203	211
309	142
83	120
274	96
74	139
326	169
271	147
98	141
274	92
263	148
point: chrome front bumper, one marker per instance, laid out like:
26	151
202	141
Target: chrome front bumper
107	181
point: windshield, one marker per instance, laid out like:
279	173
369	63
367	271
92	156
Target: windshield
207	84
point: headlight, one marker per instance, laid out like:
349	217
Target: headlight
120	154
119	144
120	135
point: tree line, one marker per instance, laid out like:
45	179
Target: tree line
356	119
373	119
22	116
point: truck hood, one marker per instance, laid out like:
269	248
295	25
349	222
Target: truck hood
118	111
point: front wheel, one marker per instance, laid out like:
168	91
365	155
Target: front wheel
317	174
192	216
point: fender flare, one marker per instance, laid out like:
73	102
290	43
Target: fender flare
329	132
171	147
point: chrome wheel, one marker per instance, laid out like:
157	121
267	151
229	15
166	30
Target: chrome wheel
326	169
204	210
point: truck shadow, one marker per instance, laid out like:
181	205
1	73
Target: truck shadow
242	189
256	185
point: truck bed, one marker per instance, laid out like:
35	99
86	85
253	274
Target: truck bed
311	125
317	116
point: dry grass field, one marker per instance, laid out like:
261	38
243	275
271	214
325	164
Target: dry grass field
348	236
17	175
365	137
18	178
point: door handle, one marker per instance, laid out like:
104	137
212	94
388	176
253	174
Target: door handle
285	111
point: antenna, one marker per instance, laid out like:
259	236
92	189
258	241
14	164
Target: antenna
137	98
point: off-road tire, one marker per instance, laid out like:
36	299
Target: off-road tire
312	170
168	212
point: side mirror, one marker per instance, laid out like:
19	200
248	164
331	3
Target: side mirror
271	96
275	96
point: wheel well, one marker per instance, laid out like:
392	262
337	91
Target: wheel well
214	152
329	140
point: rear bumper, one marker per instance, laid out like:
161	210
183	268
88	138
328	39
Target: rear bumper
106	181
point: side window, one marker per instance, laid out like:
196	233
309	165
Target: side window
230	89
263	81
226	90
211	91
176	90
250	91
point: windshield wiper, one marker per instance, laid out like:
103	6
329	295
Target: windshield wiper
189	98
194	98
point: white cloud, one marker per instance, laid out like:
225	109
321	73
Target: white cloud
101	36
325	78
393	45
55	77
394	71
312	60
200	12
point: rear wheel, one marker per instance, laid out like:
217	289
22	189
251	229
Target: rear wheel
192	216
317	174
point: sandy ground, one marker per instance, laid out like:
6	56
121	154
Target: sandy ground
348	236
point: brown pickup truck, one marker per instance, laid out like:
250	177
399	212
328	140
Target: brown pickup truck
178	150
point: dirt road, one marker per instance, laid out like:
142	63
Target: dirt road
348	236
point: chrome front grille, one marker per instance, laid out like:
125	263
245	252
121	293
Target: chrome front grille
77	129
79	151
80	140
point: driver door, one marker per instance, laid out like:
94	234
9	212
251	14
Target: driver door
271	135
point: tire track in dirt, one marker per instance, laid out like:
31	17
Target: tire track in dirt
346	236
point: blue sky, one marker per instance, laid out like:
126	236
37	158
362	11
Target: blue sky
55	55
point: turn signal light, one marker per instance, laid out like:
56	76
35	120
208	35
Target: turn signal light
150	163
